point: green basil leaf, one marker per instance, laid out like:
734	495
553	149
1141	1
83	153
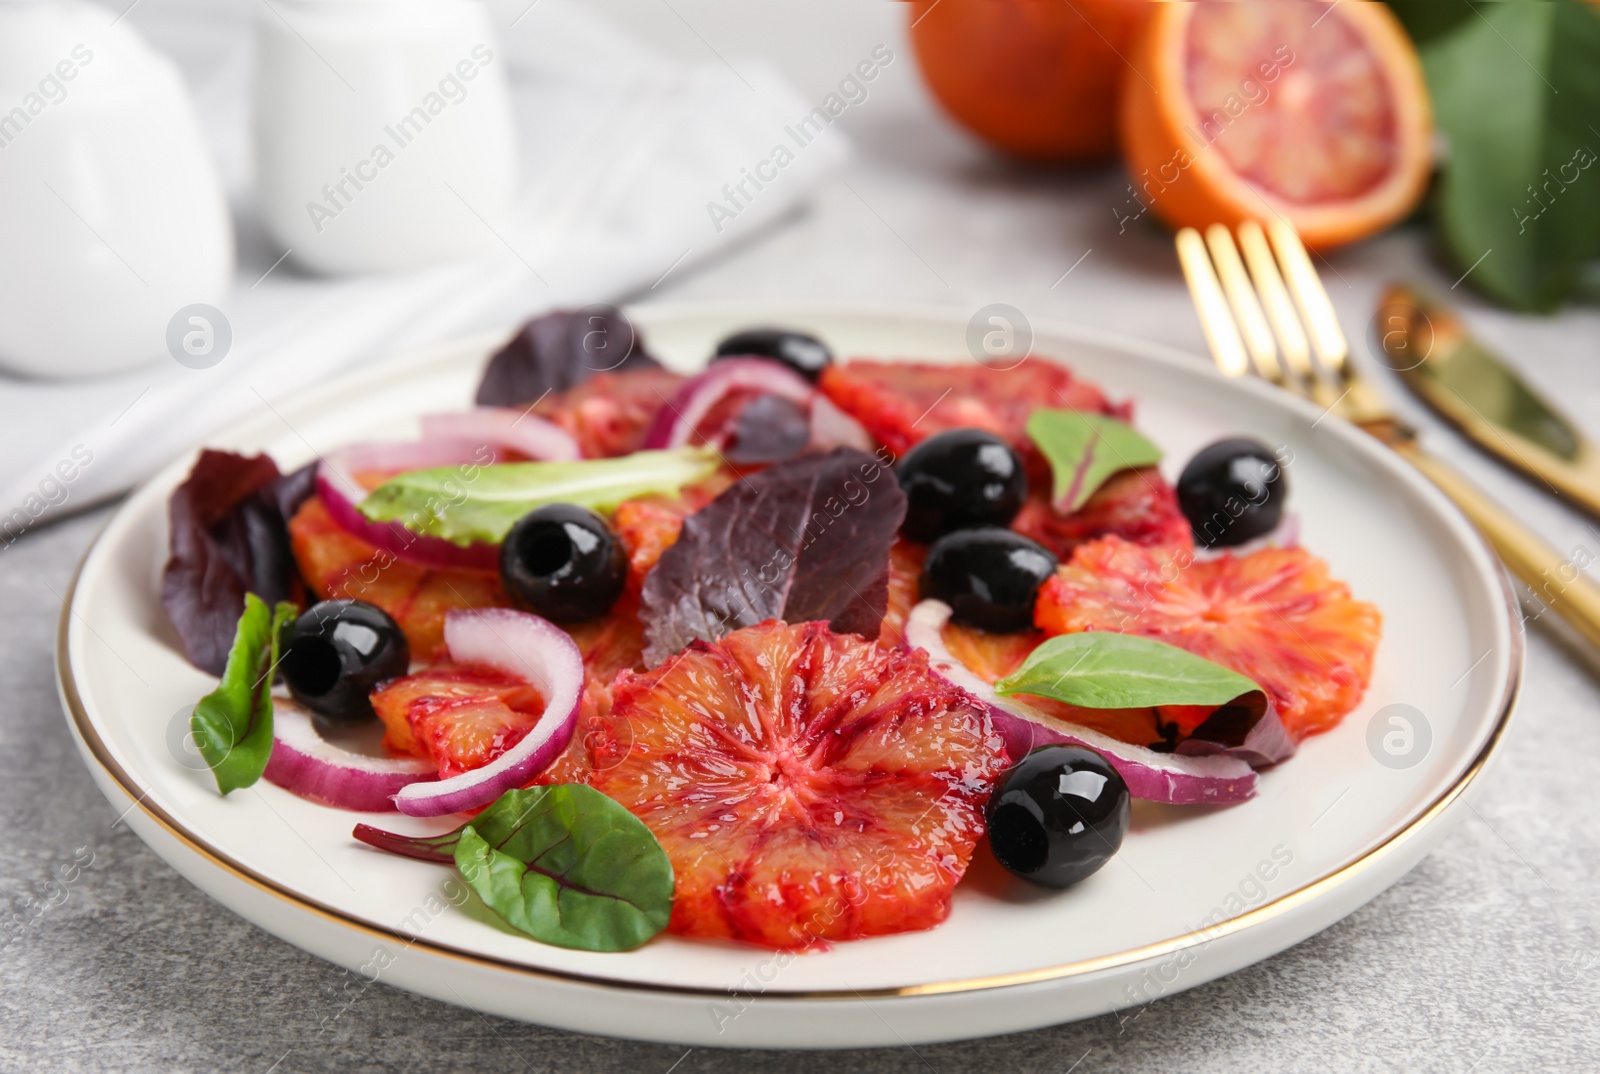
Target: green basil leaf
568	866
1516	90
1099	669
1084	450
485	502
232	725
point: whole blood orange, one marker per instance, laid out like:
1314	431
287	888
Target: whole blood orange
1310	111
808	786
1036	78
1273	615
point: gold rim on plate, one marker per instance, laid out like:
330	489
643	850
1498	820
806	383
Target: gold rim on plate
1283	904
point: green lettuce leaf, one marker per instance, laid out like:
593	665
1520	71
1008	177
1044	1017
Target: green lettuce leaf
568	866
1084	450
1099	669
232	725
485	505
1516	90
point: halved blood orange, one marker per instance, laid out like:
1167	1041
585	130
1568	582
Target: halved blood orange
902	403
1305	110
808	786
1136	505
1274	615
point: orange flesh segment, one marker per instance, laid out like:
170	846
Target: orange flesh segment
1274	615
808	786
1324	131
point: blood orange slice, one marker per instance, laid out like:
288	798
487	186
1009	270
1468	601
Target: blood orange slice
458	717
905	584
609	413
901	403
808	786
1136	505
1274	615
337	564
1310	111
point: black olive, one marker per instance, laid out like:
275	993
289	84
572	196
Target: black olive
1058	815
337	653
959	479
1232	492
990	577
806	355
563	562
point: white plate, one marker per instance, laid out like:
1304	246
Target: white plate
1195	892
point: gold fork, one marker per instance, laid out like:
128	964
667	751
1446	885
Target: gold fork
1268	313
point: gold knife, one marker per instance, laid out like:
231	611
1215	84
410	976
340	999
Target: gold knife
1470	386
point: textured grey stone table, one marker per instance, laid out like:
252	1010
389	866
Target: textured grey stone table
1483	959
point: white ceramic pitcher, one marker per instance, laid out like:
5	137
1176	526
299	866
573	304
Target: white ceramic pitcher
384	134
112	218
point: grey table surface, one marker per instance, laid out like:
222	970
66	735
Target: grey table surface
1483	958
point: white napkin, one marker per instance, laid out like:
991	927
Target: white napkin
622	150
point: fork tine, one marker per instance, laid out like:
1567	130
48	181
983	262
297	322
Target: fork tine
1275	296
1247	313
1222	335
1327	338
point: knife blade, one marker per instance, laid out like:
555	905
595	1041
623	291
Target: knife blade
1470	386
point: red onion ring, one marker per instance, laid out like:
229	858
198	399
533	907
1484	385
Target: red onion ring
832	427
339	492
506	427
1157	777
528	648
305	763
674	424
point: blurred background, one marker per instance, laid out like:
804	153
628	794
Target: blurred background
189	229
206	205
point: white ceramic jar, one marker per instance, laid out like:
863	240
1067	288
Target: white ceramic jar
112	217
384	133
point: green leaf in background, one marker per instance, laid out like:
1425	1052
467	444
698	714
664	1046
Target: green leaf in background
1425	20
444	503
1099	669
568	866
1084	450
232	725
1516	90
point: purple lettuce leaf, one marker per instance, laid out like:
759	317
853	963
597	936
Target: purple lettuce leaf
228	536
559	351
806	539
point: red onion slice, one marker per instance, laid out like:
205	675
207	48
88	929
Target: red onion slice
1157	777
340	492
832	427
674	424
530	649
506	427
305	763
